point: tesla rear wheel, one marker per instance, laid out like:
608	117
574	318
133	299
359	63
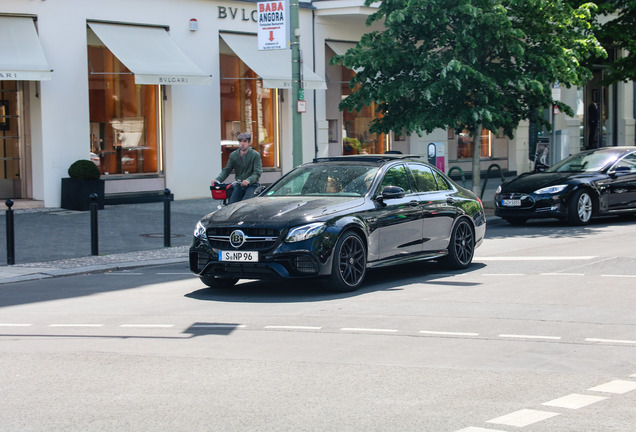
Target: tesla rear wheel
349	263
580	208
217	282
462	246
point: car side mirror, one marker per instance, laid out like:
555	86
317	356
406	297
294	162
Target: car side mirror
259	190
619	170
392	192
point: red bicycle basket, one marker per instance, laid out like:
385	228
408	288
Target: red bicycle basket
219	191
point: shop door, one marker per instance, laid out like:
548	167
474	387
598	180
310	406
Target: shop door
11	184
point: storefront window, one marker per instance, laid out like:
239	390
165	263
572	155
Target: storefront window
124	116
356	138
465	144
247	107
9	140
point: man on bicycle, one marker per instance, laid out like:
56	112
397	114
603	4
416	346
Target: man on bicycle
246	164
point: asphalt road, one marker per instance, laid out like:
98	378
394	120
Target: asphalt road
537	335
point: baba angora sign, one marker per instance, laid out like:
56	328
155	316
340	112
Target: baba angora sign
272	25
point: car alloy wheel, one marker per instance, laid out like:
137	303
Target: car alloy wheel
580	210
462	246
349	263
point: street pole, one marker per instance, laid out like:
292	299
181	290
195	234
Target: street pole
294	38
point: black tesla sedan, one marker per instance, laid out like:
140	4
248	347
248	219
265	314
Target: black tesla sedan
588	184
336	217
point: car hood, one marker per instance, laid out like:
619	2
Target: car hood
528	183
282	211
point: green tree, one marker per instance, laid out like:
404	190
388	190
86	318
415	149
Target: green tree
616	22
468	64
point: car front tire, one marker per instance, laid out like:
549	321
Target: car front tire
462	246
217	282
580	208
349	266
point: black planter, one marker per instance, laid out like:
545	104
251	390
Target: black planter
76	193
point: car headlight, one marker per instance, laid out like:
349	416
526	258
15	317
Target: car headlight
550	190
305	232
199	231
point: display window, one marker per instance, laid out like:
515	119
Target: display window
465	144
124	117
246	106
355	125
10	172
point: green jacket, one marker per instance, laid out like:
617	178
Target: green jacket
249	168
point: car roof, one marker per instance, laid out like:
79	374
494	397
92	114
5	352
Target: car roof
371	158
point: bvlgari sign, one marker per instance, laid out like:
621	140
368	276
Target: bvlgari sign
272	25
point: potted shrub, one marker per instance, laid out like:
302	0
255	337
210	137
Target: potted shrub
84	180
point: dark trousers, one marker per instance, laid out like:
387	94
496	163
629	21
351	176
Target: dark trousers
242	192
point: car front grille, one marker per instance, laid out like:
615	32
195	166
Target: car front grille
256	239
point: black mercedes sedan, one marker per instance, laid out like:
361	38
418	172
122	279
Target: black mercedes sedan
335	218
585	185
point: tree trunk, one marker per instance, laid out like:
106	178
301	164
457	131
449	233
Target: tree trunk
477	160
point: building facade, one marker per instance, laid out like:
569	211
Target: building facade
155	93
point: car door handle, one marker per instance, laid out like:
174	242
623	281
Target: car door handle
414	203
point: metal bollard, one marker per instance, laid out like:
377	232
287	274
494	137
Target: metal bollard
10	234
166	217
94	230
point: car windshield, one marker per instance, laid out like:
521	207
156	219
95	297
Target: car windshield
326	179
585	162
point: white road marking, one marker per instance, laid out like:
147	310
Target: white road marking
76	325
519	336
616	387
14	325
561	274
281	327
523	417
619	276
355	329
447	333
478	429
610	340
147	325
175	273
574	401
220	326
544	258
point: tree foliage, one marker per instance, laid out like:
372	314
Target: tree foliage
468	64
616	27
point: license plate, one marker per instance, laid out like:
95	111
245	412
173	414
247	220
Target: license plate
238	256
511	203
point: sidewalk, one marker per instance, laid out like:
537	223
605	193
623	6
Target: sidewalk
53	242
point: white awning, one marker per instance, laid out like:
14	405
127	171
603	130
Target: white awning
273	66
150	54
21	55
340	47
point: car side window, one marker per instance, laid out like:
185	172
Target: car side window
442	183
628	162
424	178
397	176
